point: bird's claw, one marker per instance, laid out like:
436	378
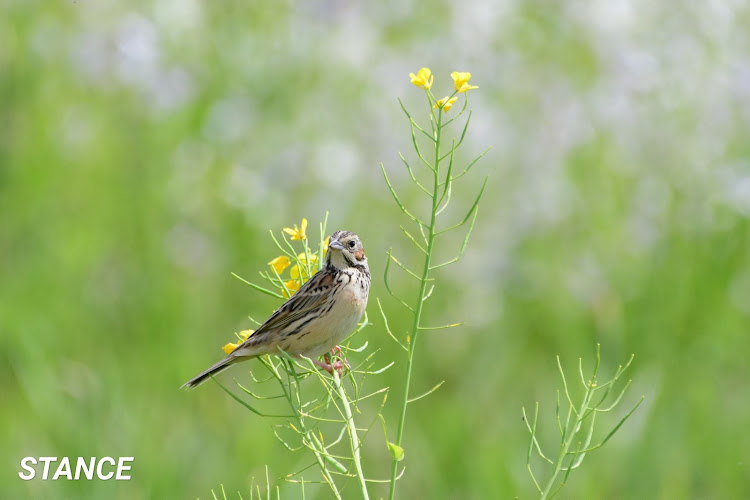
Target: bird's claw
338	365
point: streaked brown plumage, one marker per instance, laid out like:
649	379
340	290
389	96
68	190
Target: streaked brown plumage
321	314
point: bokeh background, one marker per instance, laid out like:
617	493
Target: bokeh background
148	147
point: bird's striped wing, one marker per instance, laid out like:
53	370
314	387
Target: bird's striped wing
305	302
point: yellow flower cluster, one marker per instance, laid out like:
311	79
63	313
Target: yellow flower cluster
423	79
299	271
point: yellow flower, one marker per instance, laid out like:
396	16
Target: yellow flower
244	334
296	272
292	286
445	103
229	348
461	80
423	78
325	245
298	233
280	263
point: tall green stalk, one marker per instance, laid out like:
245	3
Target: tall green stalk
440	194
411	340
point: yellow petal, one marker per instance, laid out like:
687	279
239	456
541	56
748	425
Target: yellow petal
245	334
299	272
292	286
280	263
445	103
303	228
466	87
426	76
228	348
460	78
325	245
448	105
423	78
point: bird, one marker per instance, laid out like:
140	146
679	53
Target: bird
319	316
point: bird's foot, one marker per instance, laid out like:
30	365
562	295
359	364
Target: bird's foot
336	351
328	366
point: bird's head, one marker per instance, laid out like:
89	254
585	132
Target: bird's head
345	250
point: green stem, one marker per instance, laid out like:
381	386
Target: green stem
353	438
412	339
571	434
317	447
313	440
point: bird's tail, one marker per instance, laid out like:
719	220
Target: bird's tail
203	376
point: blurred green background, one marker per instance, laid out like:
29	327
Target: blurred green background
148	147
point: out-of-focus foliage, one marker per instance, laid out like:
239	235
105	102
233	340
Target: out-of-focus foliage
147	147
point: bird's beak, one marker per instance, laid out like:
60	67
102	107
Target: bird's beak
335	245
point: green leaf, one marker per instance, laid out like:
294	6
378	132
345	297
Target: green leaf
396	451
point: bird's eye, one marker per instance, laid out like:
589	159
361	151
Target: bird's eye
352	244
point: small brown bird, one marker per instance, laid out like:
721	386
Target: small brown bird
321	314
